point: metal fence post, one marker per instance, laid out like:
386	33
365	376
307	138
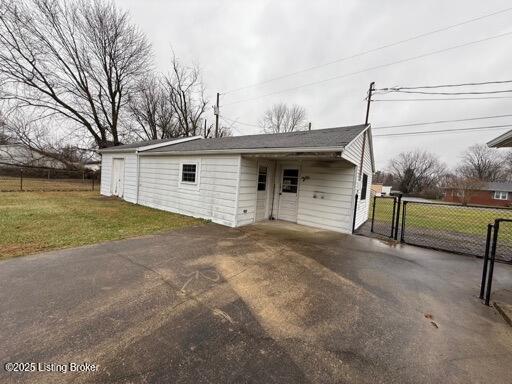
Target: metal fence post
486	260
402	231
393	219
398	215
493	257
373	211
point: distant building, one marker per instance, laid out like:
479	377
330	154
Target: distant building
381	190
491	194
20	155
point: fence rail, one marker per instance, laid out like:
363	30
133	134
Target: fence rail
14	179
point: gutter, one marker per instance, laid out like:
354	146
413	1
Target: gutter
250	150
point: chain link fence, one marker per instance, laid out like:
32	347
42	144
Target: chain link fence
454	228
382	214
14	179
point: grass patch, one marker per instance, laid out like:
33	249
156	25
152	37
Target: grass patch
444	217
36	221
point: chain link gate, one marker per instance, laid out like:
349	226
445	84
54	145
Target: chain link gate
386	215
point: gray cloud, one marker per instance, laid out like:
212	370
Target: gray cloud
237	43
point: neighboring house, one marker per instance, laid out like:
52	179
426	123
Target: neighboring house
307	177
20	155
492	194
381	190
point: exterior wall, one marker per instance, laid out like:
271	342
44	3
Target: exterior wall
324	198
214	197
246	209
353	154
477	198
326	194
130	174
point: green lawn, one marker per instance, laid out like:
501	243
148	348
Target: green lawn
467	220
36	221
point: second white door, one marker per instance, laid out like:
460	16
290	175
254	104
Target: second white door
288	193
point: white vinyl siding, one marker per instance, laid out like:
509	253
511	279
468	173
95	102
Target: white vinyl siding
214	197
363	205
106	173
325	195
130	175
247	191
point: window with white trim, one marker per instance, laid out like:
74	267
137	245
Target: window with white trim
500	195
188	173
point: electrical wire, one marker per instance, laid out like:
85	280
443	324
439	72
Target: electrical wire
440	122
454	130
373	68
450	93
447	85
389	45
445	98
239	122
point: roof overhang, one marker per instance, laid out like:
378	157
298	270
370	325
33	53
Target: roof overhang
502	141
247	150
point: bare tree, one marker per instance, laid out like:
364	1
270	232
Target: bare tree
35	144
417	171
185	91
152	110
464	187
283	118
75	58
482	163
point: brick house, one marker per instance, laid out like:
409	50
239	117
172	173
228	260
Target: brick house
492	194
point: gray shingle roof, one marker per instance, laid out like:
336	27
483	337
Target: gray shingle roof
497	186
330	137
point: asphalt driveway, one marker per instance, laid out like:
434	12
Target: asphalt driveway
269	303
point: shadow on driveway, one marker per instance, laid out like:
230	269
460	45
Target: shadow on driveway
267	303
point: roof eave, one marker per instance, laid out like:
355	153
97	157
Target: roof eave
502	141
242	151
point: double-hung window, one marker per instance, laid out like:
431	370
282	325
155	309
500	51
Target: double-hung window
500	195
188	173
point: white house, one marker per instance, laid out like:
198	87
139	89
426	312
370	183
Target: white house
313	177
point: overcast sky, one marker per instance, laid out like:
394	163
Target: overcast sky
238	43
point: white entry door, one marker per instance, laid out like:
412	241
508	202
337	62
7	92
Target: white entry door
288	194
262	193
117	180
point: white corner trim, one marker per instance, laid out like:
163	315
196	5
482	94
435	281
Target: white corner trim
168	143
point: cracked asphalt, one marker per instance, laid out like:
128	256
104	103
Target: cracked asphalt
267	303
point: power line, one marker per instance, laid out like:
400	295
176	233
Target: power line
447	85
447	98
239	122
454	130
374	67
389	45
440	122
450	93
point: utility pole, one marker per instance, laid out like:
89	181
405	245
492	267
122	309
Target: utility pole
216	113
370	92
